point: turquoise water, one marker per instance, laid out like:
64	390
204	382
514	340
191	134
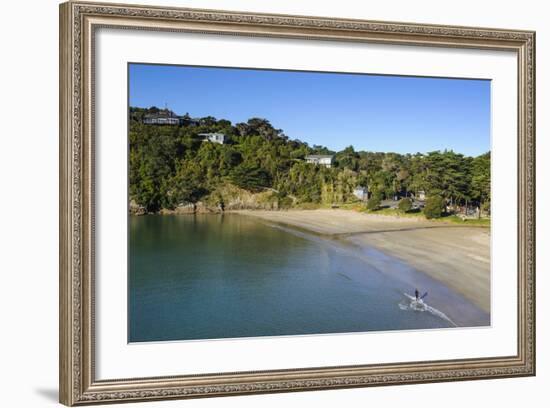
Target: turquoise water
227	276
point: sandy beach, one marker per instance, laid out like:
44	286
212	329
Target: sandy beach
457	256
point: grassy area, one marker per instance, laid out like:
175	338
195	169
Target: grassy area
308	206
481	222
453	219
393	212
316	206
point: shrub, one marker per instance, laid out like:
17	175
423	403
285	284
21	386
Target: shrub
434	207
285	202
405	205
486	208
374	202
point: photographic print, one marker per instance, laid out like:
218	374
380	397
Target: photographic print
311	203
278	203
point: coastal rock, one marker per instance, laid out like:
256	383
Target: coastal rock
203	208
136	209
235	198
230	198
185	208
190	208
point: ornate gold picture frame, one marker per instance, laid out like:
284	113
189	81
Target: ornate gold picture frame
78	24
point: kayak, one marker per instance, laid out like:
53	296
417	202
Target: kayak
416	304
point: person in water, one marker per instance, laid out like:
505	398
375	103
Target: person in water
416	294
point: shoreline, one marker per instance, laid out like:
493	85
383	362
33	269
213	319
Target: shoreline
455	255
466	222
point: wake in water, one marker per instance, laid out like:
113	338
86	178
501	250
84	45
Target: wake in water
419	305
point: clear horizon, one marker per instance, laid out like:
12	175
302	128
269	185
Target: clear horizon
370	112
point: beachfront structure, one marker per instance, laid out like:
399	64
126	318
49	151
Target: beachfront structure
213	137
361	193
320	159
164	117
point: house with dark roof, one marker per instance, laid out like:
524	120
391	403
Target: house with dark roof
162	117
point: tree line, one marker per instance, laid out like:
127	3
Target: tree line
171	165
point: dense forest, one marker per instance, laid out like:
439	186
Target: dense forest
172	166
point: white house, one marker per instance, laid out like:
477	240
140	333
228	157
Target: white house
361	193
213	137
320	159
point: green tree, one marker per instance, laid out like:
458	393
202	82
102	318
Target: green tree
481	181
374	202
250	177
187	186
435	205
405	205
347	159
172	164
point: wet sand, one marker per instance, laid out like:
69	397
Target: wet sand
455	255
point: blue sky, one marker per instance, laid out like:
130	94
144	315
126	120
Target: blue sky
371	112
